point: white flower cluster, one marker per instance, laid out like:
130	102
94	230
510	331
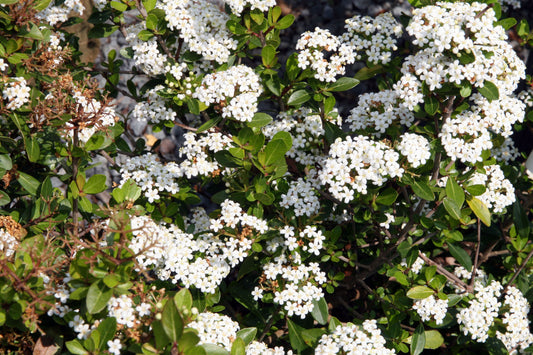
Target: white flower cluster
79	326
301	198
237	6
152	176
513	3
93	111
260	348
324	53
202	261
505	152
61	13
431	307
146	54
466	135
527	96
379	111
417	265
235	90
479	316
296	288
310	234
214	328
123	310
364	38
202	26
17	93
354	163
198	151
354	340
375	37
153	109
415	147
114	346
307	134
3	65
61	294
448	31
8	243
516	320
499	191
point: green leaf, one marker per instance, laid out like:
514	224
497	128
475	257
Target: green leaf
161	338
274	151
196	350
419	340
466	88
145	35
295	336
95	184
368	73
107	329
224	158
103	30
467	58
523	28
188	340
506	23
209	124
172	321
489	91
298	98
452	208
97	297
28	183
311	336
521	221
431	105
40	5
238	347
212	349
4	198
387	196
5	162
268	56
419	292
247	334
476	190
119	6
461	256
320	311
75	347
259	120
183	299
265	198
343	84
285	22
291	67
434	339
480	210
333	324
455	192
422	189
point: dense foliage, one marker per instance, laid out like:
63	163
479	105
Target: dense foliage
266	222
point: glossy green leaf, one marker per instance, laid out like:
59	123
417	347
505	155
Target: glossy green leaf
247	334
320	311
291	67
480	210
5	162
461	256
434	339
97	297
387	196
188	340
476	190
268	56
183	299
274	151
452	208
95	184
506	23
521	220
107	329
419	340
28	182
119	6
4	198
212	349
172	321
489	91
298	98
238	347
431	105
343	84
285	22
295	336
419	292
75	347
422	189
259	120
455	192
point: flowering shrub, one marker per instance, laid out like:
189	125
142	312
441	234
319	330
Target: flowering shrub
279	222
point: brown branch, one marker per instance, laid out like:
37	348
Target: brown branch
476	258
450	276
515	275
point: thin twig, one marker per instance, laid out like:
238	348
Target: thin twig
476	258
441	270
